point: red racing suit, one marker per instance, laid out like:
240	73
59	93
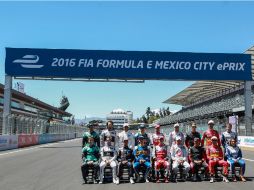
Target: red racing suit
161	155
155	138
206	138
215	157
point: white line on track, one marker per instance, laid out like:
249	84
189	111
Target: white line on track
248	159
44	145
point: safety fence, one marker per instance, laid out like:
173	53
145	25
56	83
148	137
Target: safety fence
19	141
21	131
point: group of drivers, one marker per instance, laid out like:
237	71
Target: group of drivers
141	152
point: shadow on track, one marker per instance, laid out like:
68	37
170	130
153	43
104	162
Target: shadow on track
249	178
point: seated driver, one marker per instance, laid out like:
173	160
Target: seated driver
179	156
108	157
197	157
90	156
234	157
125	158
142	158
161	156
215	158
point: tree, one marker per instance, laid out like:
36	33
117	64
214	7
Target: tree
152	119
161	113
168	112
148	112
144	119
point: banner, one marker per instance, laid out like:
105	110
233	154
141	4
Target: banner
8	142
44	138
27	140
234	121
111	64
247	141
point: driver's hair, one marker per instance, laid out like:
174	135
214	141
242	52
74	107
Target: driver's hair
110	121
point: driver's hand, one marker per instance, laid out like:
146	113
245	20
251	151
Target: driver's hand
124	162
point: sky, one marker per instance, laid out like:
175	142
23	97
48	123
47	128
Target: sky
209	27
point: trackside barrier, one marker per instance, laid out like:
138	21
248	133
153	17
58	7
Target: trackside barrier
27	140
47	138
246	141
18	141
8	142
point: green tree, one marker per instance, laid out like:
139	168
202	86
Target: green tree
167	111
144	119
148	112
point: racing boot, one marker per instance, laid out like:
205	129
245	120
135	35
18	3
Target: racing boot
234	178
158	179
131	180
117	181
194	177
225	179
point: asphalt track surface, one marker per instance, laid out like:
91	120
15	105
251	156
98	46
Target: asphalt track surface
56	166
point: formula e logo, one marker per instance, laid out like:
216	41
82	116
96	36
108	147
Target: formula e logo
29	62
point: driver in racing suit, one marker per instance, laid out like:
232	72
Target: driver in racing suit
179	156
129	135
90	156
142	158
108	157
142	133
109	132
161	157
92	133
156	137
125	158
208	134
215	156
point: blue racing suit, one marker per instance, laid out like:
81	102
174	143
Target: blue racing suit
142	158
234	156
145	135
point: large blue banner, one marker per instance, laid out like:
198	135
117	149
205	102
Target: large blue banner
109	64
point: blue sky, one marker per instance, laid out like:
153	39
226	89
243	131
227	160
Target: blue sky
221	27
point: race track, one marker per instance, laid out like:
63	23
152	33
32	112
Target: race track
56	166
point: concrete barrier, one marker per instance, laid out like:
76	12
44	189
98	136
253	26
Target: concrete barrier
27	140
8	142
246	142
24	140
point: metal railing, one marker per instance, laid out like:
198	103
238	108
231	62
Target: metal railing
20	124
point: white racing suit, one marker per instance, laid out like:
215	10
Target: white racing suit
108	154
109	133
131	139
179	153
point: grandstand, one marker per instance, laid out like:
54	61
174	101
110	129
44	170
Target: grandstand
206	100
228	102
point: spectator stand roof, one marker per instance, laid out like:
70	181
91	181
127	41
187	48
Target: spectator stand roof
201	91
